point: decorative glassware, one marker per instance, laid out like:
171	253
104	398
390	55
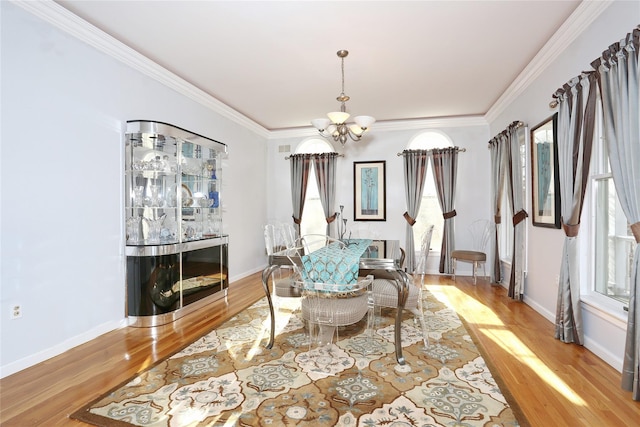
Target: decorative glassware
171	197
138	196
188	231
154	228
133	229
155	199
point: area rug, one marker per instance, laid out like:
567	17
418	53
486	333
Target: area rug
228	378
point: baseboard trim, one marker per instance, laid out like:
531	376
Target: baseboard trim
34	359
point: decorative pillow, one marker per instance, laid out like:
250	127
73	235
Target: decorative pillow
334	264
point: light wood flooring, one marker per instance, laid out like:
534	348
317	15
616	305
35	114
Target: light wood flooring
555	384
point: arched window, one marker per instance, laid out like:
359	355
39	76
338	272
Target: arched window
430	211
313	220
314	146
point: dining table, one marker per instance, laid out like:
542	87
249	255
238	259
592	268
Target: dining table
382	257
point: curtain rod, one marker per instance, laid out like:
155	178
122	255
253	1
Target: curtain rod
565	87
635	33
316	154
517	124
430	150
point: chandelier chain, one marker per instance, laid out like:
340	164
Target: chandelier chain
342	67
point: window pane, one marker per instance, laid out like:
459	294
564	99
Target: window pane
313	221
614	244
430	213
505	228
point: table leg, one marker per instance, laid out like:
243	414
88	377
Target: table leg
266	273
403	294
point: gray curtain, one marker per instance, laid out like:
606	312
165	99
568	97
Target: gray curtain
300	164
618	75
445	170
325	170
498	162
576	101
415	172
515	136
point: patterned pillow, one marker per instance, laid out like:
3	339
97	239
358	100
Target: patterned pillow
333	264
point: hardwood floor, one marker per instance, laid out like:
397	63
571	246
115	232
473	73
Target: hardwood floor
555	384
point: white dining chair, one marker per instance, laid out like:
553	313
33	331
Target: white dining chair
332	294
387	287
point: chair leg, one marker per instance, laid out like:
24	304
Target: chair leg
475	268
423	324
321	335
376	315
453	267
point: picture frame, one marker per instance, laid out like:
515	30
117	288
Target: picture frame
377	249
369	191
545	183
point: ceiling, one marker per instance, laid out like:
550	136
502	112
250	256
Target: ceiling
275	62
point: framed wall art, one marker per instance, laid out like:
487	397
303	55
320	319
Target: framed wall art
369	192
377	249
545	184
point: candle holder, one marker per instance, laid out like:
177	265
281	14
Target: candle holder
342	223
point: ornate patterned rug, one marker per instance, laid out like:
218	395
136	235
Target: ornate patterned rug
228	378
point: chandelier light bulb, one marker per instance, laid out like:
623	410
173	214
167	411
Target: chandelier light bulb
338	117
356	130
320	124
364	121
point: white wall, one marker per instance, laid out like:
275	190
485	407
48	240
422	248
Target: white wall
64	108
604	335
472	196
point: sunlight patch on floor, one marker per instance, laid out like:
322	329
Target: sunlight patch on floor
282	320
510	343
493	328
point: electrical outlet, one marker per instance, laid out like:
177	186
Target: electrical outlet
16	311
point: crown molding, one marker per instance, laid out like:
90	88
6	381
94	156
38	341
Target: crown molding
61	18
578	21
391	125
431	123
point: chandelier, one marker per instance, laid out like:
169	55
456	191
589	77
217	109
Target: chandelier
335	126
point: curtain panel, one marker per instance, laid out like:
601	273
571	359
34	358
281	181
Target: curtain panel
415	172
576	114
300	164
515	134
445	170
498	162
618	76
325	171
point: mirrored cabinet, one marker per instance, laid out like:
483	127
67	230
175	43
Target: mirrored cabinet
176	249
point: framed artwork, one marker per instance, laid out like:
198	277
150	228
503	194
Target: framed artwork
369	192
545	184
377	249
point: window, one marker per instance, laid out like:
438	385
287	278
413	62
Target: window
611	239
430	211
313	220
